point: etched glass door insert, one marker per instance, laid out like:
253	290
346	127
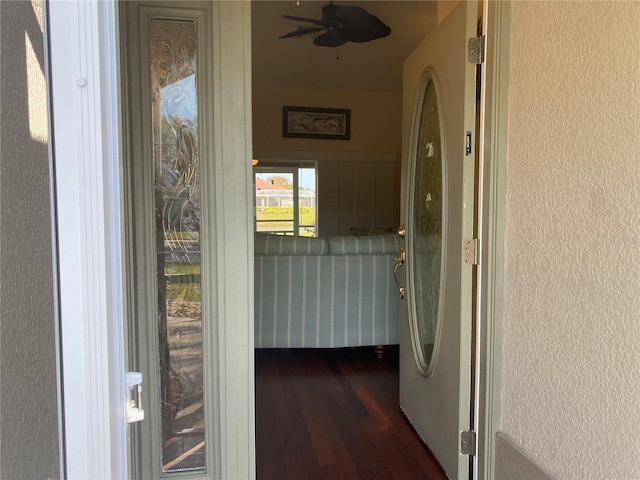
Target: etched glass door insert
427	231
176	168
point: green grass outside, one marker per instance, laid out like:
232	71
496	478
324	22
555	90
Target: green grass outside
183	236
189	292
281	218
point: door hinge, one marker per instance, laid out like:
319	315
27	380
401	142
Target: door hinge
476	50
468	442
467	144
471	251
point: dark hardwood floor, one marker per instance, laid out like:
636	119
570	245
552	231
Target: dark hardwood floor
333	414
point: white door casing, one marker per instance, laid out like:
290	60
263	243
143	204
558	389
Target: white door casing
491	222
437	399
86	150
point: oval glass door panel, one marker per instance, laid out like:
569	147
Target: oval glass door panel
426	214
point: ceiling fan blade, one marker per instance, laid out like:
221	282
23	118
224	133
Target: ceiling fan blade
302	31
330	39
315	21
344	13
343	23
365	31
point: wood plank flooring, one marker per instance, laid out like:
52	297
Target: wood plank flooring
333	414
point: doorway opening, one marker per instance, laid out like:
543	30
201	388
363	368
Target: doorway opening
355	198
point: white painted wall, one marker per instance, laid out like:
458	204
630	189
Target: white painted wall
571	385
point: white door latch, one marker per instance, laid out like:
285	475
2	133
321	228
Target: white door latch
133	409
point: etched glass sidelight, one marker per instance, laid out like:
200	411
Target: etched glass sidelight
176	169
427	231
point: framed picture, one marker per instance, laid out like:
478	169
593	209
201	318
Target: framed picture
312	122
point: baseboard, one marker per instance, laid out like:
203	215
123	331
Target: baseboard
511	464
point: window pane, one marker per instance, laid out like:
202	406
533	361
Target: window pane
275	202
307	201
281	207
177	207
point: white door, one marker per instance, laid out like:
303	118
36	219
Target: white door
188	179
438	213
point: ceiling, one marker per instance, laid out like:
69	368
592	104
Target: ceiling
371	66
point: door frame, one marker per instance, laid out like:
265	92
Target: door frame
85	151
85	124
492	219
89	226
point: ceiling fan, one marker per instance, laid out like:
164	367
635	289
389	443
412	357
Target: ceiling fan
341	24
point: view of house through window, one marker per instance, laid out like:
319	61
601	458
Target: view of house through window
285	200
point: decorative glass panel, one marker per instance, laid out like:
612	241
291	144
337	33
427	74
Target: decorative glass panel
176	162
427	230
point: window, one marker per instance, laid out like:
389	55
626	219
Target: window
285	199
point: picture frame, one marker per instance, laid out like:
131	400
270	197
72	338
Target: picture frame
316	122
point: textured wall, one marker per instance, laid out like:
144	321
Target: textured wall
571	386
28	404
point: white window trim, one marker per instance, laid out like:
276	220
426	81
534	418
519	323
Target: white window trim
85	121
